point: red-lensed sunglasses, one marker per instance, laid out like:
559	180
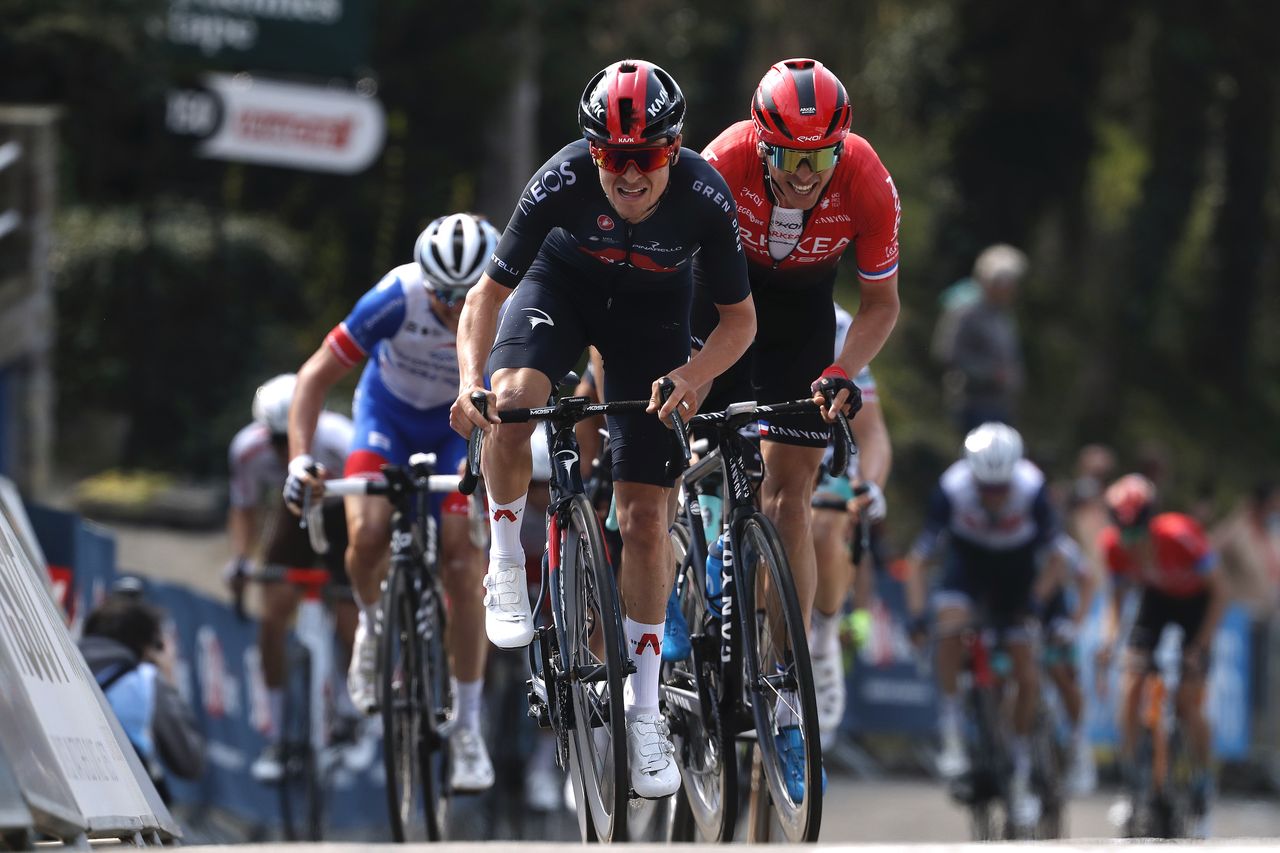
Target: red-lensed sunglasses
646	159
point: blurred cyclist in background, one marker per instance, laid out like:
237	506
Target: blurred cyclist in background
406	326
1167	557
257	459
833	531
995	508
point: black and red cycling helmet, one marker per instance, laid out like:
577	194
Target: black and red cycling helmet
801	104
632	102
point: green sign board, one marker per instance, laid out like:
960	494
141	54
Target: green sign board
326	37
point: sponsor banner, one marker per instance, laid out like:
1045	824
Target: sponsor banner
58	730
308	36
891	686
251	120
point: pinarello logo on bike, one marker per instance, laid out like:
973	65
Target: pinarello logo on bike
604	223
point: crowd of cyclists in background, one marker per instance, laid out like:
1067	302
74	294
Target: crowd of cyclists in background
716	271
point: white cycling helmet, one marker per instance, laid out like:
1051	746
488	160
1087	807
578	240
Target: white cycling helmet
993	451
272	400
453	250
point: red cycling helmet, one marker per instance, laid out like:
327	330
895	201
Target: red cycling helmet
800	104
632	102
1131	500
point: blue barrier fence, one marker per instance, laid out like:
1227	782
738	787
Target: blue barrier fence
219	673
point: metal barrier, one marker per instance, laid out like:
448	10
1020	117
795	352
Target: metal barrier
68	761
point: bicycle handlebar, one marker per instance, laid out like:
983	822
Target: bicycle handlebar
749	410
570	408
420	466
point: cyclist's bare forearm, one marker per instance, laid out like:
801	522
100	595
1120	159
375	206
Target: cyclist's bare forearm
477	328
725	345
875	452
242	530
321	371
914	584
1213	613
876	317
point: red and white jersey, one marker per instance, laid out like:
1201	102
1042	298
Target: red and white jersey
859	207
256	467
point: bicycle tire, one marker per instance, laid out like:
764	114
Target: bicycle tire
708	766
1050	766
773	666
590	601
438	704
402	703
987	770
301	795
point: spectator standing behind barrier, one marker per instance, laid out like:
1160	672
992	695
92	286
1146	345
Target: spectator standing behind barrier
978	344
126	650
1248	542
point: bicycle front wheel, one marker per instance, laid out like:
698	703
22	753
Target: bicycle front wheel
779	680
691	692
413	796
301	790
594	653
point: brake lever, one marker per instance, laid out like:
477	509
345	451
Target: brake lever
467	484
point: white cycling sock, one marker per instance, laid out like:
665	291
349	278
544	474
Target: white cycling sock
505	521
788	707
644	642
275	703
824	633
469	695
1021	749
368	611
949	715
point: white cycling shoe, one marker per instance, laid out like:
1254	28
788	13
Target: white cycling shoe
828	688
470	769
651	758
1023	802
362	674
508	619
953	759
1082	776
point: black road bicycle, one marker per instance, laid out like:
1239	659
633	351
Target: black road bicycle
579	663
748	676
415	693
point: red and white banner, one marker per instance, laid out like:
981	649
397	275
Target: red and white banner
250	120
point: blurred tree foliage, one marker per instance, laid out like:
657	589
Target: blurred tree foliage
1131	148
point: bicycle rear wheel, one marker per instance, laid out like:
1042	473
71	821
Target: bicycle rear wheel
779	679
413	796
598	741
691	692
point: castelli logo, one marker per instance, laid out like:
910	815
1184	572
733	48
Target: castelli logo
604	223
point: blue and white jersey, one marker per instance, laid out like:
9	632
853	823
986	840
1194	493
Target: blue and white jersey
412	356
1027	519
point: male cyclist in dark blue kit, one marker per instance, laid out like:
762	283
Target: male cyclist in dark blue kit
601	245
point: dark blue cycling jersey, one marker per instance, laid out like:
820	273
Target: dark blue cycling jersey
564	213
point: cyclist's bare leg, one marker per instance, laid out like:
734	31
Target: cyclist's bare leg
345	617
368	548
835	567
647	559
785	497
1026	675
1189	703
1131	702
507	460
1067	683
951	621
463	566
279	604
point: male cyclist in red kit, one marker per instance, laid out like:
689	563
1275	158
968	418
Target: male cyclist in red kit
806	189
